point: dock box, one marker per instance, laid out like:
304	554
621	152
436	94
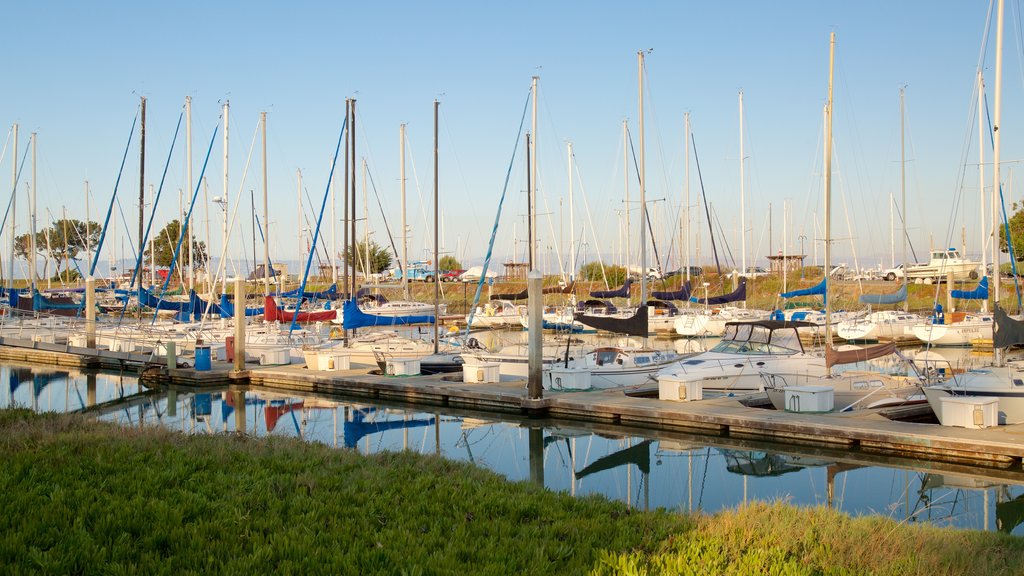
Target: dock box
340	361
481	373
403	367
561	378
810	398
680	388
969	411
274	357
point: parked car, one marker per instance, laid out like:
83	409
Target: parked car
755	272
891	274
451	275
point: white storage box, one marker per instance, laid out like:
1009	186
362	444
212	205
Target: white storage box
403	367
78	340
567	379
274	357
969	411
218	351
810	398
341	361
312	358
680	388
121	345
482	373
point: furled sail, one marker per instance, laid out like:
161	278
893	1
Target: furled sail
272	313
513	296
894	298
227	308
635	325
147	299
833	356
737	295
683	293
330	294
620	292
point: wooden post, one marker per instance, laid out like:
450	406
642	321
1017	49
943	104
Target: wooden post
535	294
90	312
238	396
239	324
949	297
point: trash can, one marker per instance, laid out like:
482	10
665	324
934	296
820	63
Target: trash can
202	358
229	348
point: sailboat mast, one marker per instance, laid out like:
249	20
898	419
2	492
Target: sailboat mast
981	179
14	203
142	182
572	224
88	230
743	213
643	187
188	169
828	198
298	228
352	199
685	244
437	280
266	211
533	177
903	190
224	203
625	183
405	234
32	212
996	183
346	249
334	225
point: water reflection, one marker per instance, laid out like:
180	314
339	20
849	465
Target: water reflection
644	469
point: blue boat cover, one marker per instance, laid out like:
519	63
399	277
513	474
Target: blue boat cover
147	299
330	294
353	317
620	292
894	298
980	292
227	308
818	290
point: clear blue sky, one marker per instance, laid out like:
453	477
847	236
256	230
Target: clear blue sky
76	70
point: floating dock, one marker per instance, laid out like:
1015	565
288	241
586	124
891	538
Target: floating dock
863	432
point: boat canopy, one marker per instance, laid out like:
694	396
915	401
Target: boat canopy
762	337
980	291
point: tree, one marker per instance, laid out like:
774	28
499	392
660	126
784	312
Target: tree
380	258
1016	233
166	241
592	271
67	238
449	263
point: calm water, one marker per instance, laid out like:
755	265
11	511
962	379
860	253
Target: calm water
674	471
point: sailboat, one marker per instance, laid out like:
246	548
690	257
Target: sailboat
886	324
854	390
1004	381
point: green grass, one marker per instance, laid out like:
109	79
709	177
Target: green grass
85	497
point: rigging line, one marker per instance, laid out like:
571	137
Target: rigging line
317	244
644	213
419	191
323	204
387	228
453	150
593	235
707	210
183	228
1006	223
110	208
14	191
497	219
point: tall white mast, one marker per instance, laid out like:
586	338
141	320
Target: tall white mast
266	212
625	182
32	214
298	229
685	245
88	241
334	239
14	197
224	200
643	187
533	178
572	225
188	170
903	192
828	199
981	178
405	236
152	248
996	183
366	227
743	213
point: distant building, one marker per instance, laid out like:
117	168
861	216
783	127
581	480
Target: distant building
516	270
789	262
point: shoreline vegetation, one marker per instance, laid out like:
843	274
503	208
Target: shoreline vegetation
81	496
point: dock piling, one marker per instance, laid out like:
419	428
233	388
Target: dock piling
90	312
239	323
535	294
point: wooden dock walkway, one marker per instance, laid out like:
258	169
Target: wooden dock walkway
863	432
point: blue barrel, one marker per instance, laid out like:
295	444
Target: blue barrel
202	357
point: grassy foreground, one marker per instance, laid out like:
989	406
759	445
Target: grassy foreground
85	497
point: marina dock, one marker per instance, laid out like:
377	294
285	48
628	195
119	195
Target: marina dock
865	432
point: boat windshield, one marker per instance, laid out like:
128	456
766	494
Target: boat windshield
753	339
